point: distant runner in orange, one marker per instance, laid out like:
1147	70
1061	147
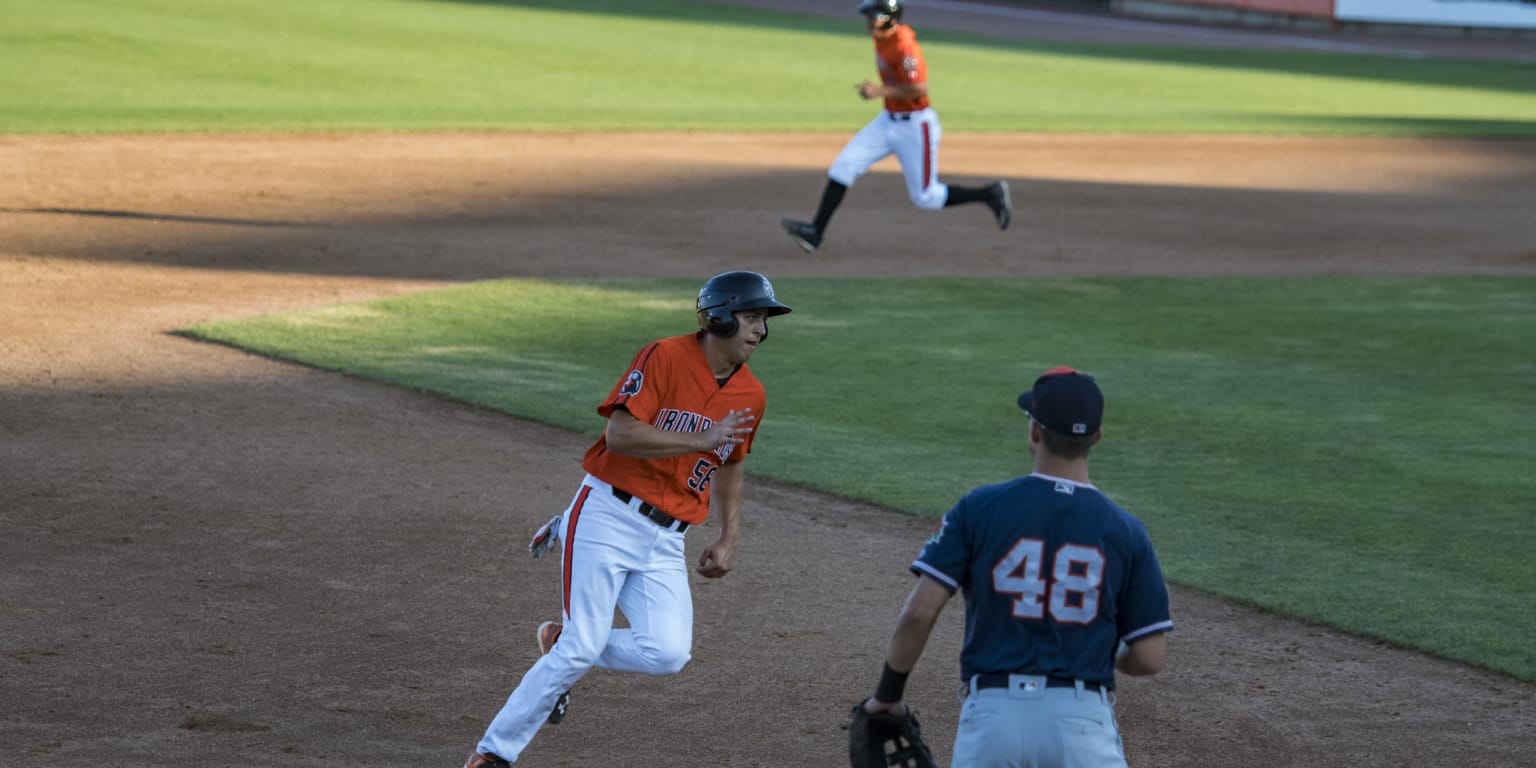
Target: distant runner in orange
908	128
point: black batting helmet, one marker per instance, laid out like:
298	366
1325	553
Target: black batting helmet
890	9
730	292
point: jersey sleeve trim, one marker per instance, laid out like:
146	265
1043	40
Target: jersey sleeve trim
1161	626
923	569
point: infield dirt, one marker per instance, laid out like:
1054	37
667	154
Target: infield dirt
211	558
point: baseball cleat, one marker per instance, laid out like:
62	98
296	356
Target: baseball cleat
1000	201
803	233
483	760
557	713
549	632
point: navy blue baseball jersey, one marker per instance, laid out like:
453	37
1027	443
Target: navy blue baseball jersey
1054	574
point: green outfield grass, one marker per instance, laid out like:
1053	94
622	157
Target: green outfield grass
132	66
1357	451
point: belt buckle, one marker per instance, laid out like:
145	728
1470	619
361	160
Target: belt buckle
654	514
1026	684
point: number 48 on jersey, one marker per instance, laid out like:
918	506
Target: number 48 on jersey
1072	592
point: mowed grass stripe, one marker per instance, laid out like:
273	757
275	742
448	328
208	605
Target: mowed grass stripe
1351	450
135	66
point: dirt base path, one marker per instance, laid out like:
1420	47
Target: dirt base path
210	558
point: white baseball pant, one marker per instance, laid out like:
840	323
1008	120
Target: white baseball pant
611	556
914	138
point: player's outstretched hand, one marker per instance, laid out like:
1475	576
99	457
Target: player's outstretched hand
732	430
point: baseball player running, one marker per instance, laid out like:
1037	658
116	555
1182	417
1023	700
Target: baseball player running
680	422
907	127
1062	588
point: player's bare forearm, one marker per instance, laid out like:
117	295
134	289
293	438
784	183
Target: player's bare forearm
913	628
872	90
630	436
725	493
1146	656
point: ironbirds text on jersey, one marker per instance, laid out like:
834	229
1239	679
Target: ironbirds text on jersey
693	402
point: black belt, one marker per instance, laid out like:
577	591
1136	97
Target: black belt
649	510
1000	680
899	115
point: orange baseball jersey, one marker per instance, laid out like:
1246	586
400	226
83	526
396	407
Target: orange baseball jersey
900	62
670	386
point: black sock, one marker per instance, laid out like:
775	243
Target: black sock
963	195
831	197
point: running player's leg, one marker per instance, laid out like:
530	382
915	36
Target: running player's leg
867	147
924	169
916	143
659	606
594	566
917	147
995	195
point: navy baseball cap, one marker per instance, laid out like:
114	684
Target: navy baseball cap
1066	401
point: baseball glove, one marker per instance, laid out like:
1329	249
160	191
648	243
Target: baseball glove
886	741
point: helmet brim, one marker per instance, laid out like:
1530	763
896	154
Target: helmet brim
772	308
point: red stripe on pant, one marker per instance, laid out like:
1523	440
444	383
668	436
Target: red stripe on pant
570	535
927	157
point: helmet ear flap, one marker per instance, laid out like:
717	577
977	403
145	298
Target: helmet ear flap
719	322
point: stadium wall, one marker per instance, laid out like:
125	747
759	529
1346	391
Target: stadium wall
1469	16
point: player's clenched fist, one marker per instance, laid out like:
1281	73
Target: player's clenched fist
715	560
